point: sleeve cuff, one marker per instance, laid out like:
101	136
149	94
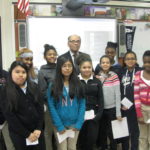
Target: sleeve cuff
59	129
139	113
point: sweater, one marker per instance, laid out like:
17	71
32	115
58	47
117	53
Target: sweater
111	91
141	93
66	112
115	68
45	76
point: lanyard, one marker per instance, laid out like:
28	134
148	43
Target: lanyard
125	84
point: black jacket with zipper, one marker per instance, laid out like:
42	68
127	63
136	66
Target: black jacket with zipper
94	96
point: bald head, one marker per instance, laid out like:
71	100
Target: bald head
74	42
74	36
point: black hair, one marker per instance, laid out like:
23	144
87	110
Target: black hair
75	86
129	52
104	56
111	45
83	58
12	93
146	53
14	65
48	47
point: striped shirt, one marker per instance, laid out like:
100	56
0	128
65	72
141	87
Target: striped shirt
111	91
141	93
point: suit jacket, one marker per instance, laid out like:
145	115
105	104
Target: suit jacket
68	56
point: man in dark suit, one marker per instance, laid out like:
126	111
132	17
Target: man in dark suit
74	43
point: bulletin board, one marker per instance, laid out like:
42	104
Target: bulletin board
94	32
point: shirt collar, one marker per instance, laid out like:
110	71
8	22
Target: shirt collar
71	53
115	63
81	78
24	89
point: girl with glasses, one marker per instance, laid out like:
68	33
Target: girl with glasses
127	76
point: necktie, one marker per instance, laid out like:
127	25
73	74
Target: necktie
75	57
75	63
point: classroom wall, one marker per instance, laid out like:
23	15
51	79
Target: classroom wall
7	28
141	39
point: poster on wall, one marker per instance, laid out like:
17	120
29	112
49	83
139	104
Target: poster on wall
129	31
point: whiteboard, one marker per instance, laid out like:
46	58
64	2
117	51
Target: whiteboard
94	32
141	41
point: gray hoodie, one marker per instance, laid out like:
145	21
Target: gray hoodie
45	76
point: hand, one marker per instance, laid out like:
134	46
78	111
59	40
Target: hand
141	120
74	129
62	132
119	118
32	137
37	133
124	108
99	77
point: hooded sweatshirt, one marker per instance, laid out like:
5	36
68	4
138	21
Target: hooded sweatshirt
46	75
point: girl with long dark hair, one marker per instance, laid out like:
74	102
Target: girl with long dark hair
66	103
23	109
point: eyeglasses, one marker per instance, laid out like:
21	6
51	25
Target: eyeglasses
127	59
73	41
